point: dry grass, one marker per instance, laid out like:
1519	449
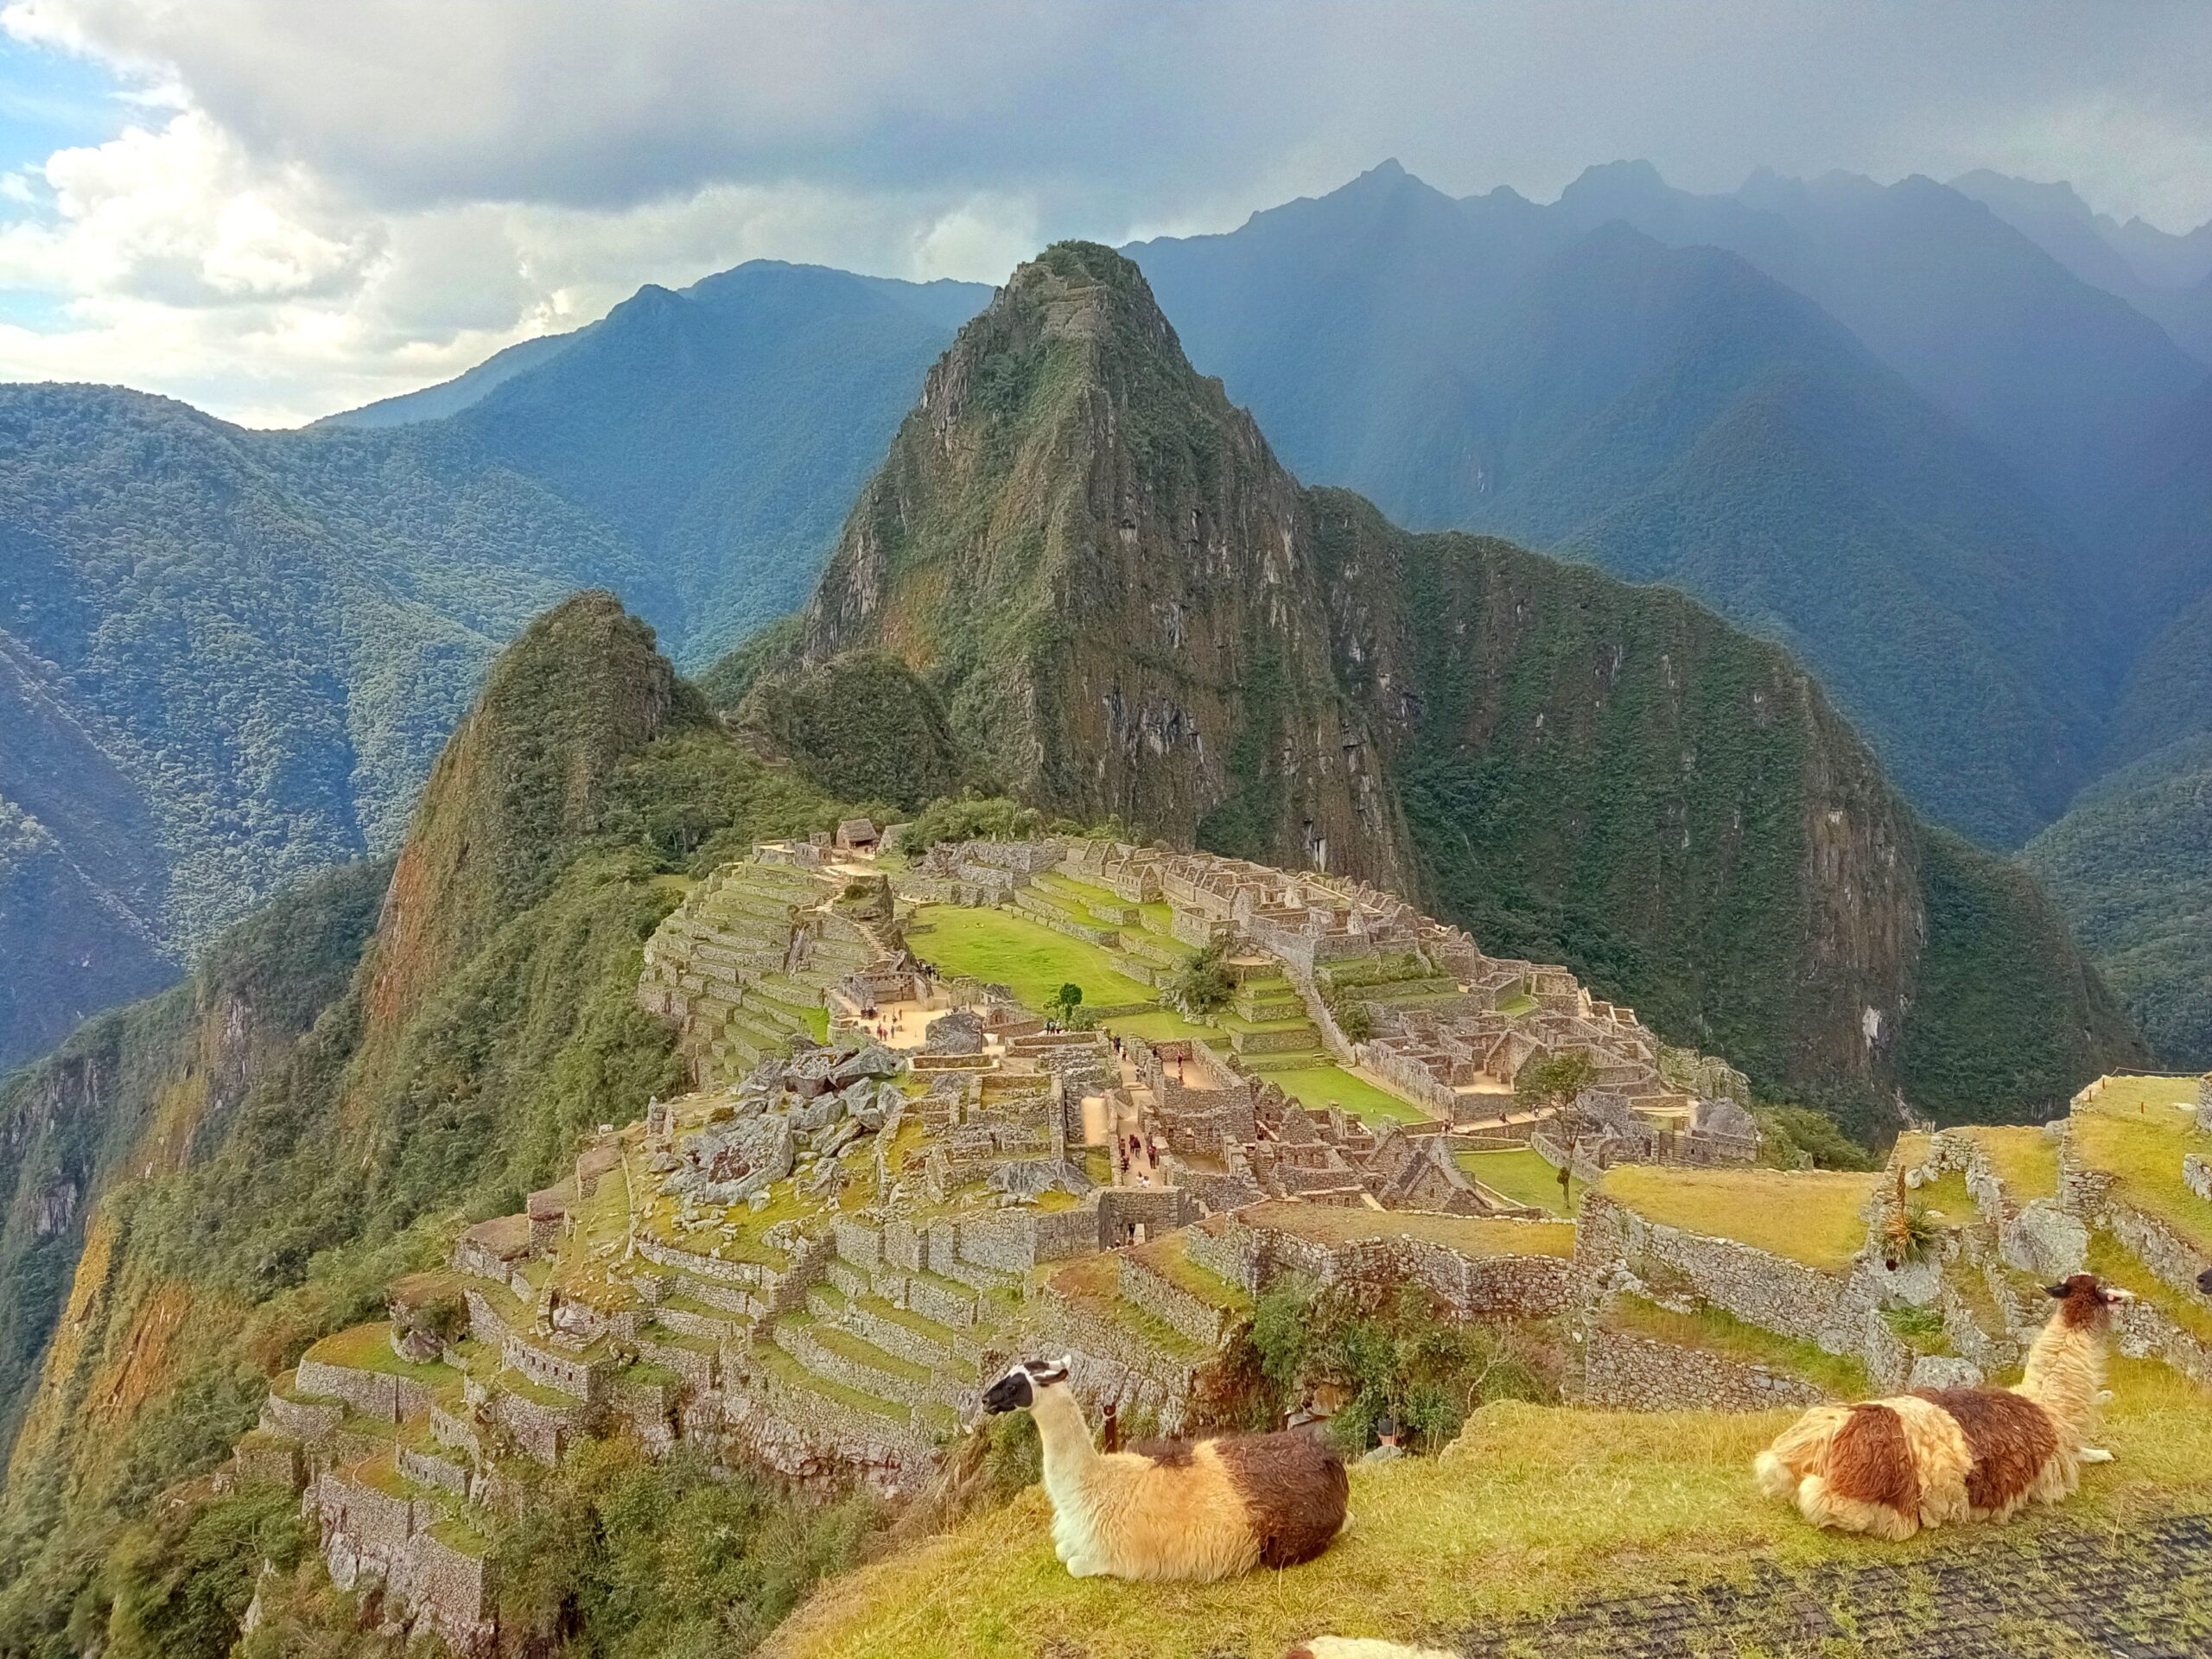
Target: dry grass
2025	1159
1811	1216
2135	1131
1333	1223
1535	1507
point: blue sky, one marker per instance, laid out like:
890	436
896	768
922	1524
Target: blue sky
276	209
48	101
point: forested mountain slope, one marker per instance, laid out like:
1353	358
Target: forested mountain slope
233	654
1673	415
210	1179
1127	607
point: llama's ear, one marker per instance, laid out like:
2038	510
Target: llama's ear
2058	1291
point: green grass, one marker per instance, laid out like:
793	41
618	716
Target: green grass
1522	1176
1160	1026
368	1348
1534	1508
1809	1215
792	1375
2025	1159
1716	1330
1028	958
1318	1086
2134	1131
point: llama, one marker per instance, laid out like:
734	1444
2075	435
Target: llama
1353	1646
1200	1511
1889	1467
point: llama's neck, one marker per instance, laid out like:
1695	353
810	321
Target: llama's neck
1069	1453
2065	1370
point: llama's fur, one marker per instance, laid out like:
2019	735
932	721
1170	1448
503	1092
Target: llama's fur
1889	1467
1353	1646
1198	1510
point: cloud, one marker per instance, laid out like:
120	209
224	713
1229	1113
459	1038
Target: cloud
315	204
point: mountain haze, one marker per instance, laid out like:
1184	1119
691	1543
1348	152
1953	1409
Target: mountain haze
1673	415
1127	607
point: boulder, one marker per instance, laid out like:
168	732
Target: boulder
1944	1372
2042	1239
960	1032
729	1162
873	1061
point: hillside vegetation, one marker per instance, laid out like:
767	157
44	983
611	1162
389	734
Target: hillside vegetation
230	656
1127	608
254	1155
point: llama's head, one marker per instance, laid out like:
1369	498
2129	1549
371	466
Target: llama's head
2085	1300
2204	1282
1020	1386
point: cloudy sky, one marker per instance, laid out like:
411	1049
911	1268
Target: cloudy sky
277	209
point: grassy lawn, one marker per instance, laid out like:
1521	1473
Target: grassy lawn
368	1348
1534	1508
2025	1159
1522	1176
1317	1086
1809	1215
2134	1131
1716	1330
1160	1026
1028	957
1335	1224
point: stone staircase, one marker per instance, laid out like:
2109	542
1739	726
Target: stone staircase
1266	1022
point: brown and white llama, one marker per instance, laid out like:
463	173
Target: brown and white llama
1935	1456
1193	1509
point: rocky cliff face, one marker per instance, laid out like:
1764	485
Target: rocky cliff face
1097	563
1130	607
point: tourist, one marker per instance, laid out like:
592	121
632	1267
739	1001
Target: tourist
1387	1447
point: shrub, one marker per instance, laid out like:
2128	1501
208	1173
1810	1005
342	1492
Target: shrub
1392	1354
1201	987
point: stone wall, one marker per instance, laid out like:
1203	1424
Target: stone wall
1637	1373
373	1394
1759	1288
1501	1286
305	1420
1192	1317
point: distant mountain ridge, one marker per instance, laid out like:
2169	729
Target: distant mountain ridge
1126	608
270	687
229	656
1674	415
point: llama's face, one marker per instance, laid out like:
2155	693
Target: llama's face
2085	1299
1019	1386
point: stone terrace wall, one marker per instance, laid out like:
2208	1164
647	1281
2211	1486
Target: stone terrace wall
373	1394
1638	1374
1759	1288
1508	1285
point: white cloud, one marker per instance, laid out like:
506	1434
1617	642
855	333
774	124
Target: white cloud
316	205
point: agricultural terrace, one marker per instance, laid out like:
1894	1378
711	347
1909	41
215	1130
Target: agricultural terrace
2137	1131
1534	1509
1816	1216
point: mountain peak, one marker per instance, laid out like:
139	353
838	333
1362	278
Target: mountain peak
1616	182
